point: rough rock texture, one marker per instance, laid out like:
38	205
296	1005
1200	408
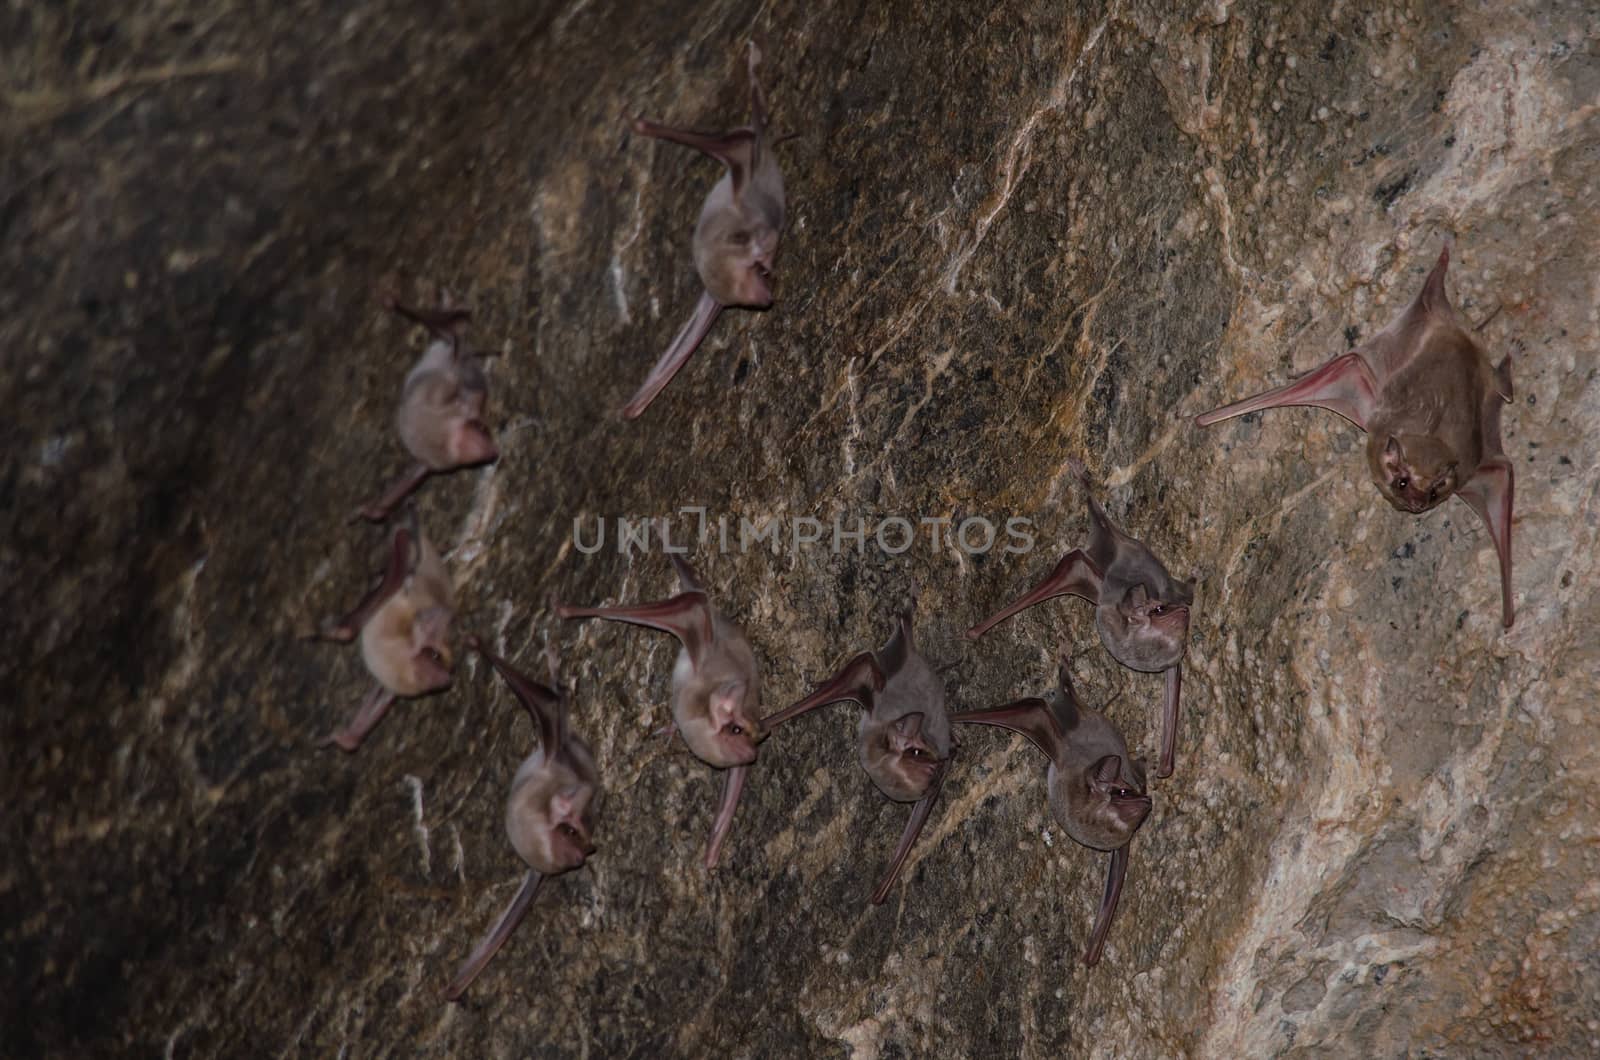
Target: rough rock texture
1015	236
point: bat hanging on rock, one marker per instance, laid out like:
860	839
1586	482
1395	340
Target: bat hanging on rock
404	626
1097	793
1141	611
441	409
550	814
1430	400
716	686
904	741
735	239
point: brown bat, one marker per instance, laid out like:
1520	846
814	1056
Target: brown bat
550	814
735	239
404	626
1097	793
1430	401
904	741
1141	611
441	409
716	686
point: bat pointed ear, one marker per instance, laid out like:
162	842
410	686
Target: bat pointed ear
560	804
725	703
1108	769
1393	449
909	726
1432	296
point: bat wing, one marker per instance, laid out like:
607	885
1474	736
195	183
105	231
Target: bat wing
544	705
395	573
736	149
856	681
371	711
1489	492
379	510
908	838
1345	385
1116	872
1491	489
688	339
1169	721
687	616
1031	717
1075	575
732	788
485	950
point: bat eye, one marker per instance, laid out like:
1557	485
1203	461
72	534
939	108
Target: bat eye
432	654
1159	609
739	238
737	730
1433	494
1401	483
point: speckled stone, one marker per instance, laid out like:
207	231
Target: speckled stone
1017	234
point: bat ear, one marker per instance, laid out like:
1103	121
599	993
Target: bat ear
429	626
1393	449
906	731
1139	773
1107	770
725	703
1432	297
561	804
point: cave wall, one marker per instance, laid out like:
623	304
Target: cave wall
1015	236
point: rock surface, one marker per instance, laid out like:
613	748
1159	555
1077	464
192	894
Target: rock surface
1016	235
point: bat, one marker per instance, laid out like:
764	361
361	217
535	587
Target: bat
716	686
904	742
550	814
440	419
1097	793
1429	401
1141	611
404	627
736	238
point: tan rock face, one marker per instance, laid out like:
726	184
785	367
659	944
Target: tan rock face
1016	236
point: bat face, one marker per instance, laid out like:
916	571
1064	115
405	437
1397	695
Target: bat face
1142	632
1104	805
718	707
406	643
550	814
473	444
898	757
1413	472
734	247
439	419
